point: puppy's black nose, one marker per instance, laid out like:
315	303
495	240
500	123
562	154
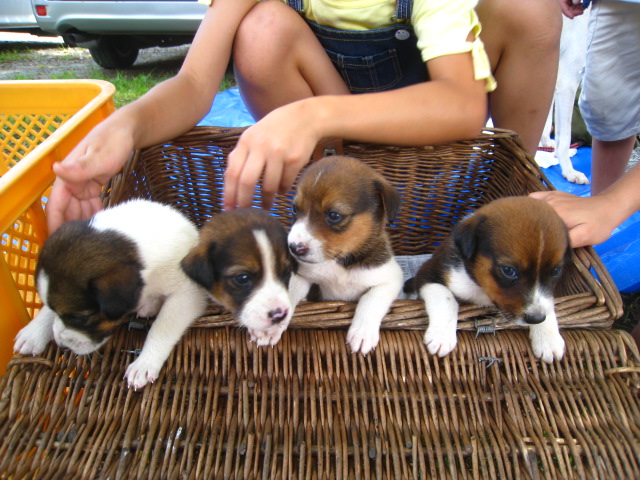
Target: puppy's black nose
535	318
277	315
299	249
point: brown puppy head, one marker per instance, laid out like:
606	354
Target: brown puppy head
515	249
340	210
91	280
243	261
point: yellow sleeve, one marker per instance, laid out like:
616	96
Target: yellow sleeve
442	28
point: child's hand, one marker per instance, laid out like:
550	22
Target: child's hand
276	148
590	219
82	174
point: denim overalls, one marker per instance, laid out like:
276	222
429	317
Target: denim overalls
374	60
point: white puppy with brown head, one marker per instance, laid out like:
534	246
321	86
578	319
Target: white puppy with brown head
339	238
92	276
243	261
510	254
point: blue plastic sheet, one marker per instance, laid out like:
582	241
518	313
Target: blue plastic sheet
620	254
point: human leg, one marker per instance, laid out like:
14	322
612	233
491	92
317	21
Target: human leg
609	161
522	39
610	97
278	60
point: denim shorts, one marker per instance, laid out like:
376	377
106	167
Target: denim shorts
374	60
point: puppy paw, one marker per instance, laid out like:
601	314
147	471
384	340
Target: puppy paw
141	372
363	339
32	339
548	347
440	342
574	176
264	338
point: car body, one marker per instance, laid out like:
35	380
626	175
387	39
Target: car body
17	16
115	30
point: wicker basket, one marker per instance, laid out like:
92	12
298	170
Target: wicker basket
308	408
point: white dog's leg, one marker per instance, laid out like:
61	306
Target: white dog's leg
298	289
546	341
36	335
546	141
442	310
177	313
364	332
573	51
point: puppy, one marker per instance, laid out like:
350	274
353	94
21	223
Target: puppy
242	260
510	254
573	53
339	239
93	275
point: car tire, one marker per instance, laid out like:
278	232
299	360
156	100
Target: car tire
114	52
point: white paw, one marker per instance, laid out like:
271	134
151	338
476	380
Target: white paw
149	307
363	338
142	371
32	339
574	176
547	142
271	336
440	341
548	347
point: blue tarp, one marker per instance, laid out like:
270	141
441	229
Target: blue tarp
620	254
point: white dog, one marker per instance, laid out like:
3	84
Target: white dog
573	52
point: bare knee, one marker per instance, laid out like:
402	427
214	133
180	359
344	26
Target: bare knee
536	24
263	37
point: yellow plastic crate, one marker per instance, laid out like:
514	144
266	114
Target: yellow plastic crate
40	123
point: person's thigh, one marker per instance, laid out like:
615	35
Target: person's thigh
522	39
610	97
278	60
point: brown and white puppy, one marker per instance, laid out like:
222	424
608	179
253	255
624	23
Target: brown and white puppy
510	254
243	261
92	276
339	238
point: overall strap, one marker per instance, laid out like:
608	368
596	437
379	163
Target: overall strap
297	5
403	8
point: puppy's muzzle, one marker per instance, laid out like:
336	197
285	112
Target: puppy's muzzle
535	318
299	249
277	315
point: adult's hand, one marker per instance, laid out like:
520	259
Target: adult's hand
590	219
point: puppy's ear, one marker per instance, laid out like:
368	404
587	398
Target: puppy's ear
466	235
118	291
198	265
389	197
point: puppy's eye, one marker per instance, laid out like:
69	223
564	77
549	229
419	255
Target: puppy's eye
243	280
510	272
333	217
556	271
294	211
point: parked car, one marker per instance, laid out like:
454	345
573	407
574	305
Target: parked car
114	31
17	16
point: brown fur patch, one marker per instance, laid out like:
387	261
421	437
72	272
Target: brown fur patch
521	233
228	248
357	192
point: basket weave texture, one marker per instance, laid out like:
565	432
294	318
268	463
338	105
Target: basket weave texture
308	408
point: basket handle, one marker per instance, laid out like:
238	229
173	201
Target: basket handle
328	147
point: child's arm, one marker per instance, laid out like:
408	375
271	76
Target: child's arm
452	106
592	219
166	111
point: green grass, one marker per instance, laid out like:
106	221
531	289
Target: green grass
12	56
130	84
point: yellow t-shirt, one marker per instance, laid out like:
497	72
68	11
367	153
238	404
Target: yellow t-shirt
442	26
